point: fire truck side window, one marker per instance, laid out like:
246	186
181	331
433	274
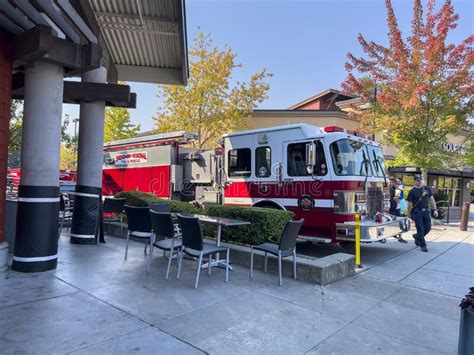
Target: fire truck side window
240	162
263	162
296	164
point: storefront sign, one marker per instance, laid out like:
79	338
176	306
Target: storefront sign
453	148
128	158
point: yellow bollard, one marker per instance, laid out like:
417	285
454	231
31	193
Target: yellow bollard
357	242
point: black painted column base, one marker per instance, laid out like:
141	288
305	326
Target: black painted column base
36	241
86	215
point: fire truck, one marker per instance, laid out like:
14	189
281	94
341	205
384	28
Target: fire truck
325	175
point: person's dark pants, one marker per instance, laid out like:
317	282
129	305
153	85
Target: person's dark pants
423	225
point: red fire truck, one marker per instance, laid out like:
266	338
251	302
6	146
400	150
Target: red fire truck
324	175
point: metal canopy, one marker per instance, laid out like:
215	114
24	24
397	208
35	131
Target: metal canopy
141	40
146	39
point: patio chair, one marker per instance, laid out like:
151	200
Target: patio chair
112	211
139	225
284	249
164	237
194	246
160	207
65	212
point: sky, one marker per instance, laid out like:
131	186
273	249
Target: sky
304	44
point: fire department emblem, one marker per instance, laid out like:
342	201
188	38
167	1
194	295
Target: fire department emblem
305	202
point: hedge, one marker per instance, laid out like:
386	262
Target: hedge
266	223
142	199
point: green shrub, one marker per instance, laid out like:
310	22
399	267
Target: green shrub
266	223
142	199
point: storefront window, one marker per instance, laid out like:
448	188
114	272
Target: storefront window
451	189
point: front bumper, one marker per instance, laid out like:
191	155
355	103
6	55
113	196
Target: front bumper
370	231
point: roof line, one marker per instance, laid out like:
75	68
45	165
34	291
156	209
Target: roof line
314	97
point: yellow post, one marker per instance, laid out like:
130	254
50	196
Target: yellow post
357	242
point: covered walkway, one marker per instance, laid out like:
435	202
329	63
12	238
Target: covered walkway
42	42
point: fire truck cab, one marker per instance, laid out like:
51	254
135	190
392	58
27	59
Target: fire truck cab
324	175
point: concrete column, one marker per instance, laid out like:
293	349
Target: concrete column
36	243
5	96
86	213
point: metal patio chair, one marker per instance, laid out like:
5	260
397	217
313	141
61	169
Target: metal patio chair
164	237
284	249
112	211
194	246
160	207
139	225
65	211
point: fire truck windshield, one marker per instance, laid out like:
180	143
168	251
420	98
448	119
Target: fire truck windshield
377	160
350	157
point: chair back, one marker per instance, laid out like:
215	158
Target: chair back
113	205
62	203
138	219
160	207
162	224
289	235
191	232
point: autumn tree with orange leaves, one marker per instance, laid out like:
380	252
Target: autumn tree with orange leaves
416	91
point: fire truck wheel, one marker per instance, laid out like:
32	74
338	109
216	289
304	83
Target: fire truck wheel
347	245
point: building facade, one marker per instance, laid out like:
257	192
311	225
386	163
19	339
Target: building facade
330	108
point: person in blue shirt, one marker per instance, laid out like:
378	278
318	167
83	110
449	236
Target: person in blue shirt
419	200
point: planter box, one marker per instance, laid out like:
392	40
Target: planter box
466	332
321	271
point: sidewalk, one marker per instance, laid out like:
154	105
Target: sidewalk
97	303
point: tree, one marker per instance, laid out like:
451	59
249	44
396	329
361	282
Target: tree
15	131
417	91
208	105
68	158
469	156
117	124
16	120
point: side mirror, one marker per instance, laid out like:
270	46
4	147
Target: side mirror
310	157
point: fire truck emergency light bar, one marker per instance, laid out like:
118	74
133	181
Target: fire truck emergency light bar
182	136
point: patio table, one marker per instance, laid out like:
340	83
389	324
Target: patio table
219	222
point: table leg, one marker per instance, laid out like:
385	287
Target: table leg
218	262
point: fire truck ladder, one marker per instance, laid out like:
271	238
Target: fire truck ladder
181	137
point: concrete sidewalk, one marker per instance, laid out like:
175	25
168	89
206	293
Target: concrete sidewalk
96	303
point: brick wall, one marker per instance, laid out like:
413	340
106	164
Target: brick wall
5	95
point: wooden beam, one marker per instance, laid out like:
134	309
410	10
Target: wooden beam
16	15
76	92
40	44
32	45
60	21
77	20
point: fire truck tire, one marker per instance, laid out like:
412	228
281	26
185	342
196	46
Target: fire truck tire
347	245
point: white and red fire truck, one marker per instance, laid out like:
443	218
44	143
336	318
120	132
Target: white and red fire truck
324	175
